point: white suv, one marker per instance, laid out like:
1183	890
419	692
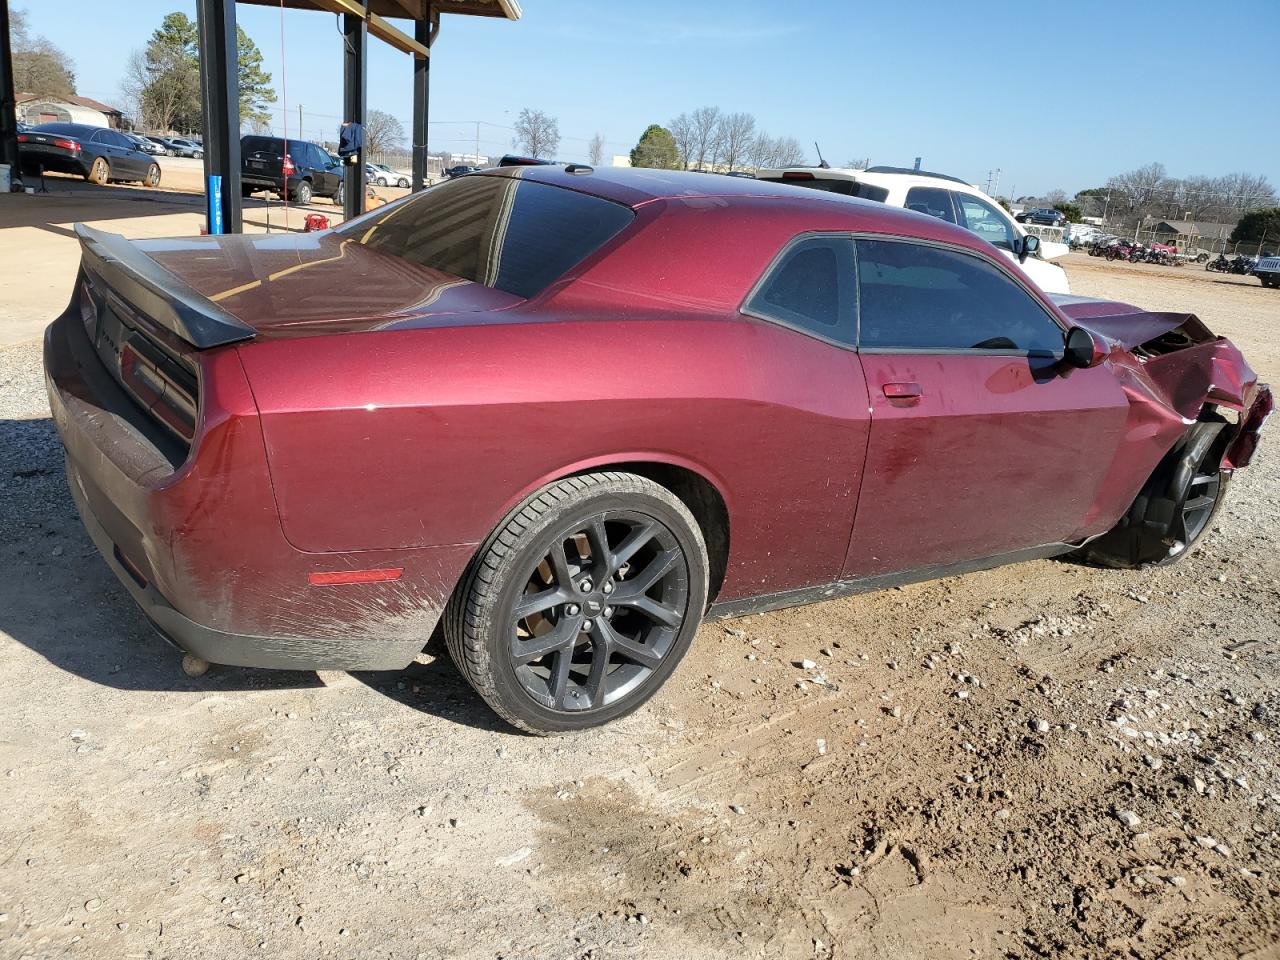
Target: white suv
947	198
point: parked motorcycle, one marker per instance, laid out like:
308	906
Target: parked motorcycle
1121	250
1243	265
1221	265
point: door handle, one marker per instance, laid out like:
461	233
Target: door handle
906	392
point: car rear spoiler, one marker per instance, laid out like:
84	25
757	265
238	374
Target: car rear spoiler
156	292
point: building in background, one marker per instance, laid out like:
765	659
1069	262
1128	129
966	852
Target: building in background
34	109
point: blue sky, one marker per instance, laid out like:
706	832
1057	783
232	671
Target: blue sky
1057	95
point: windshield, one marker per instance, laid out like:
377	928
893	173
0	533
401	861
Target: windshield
507	233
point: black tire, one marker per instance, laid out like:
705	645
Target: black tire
152	178
302	193
381	181
246	190
556	529
1175	508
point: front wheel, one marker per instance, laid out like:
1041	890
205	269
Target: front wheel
381	181
1175	508
580	605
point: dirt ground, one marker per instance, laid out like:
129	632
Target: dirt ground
861	809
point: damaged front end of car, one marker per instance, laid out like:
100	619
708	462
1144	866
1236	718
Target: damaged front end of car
1196	403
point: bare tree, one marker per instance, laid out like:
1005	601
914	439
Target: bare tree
1138	190
683	133
537	134
788	152
163	83
704	143
382	133
737	133
595	150
1242	192
38	66
1195	197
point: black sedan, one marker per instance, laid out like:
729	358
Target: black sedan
95	153
1042	216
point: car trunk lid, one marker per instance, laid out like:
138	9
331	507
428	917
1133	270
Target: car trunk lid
310	284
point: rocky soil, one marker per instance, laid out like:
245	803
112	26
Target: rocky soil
1047	760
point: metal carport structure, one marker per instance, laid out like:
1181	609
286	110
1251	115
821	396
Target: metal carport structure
219	92
360	18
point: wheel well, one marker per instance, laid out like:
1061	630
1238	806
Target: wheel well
704	502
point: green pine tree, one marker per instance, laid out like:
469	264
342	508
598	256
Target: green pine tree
656	148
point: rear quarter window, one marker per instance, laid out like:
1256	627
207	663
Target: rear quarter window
514	235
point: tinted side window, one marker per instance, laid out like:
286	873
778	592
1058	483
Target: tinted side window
986	221
811	287
931	200
515	235
918	297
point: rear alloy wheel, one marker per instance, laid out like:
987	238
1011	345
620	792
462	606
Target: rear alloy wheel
153	175
302	193
99	171
579	606
1173	511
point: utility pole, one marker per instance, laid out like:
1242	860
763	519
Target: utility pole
477	157
300	137
997	183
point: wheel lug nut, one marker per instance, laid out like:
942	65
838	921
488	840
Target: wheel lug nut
608	611
571	609
587	625
585	586
608	588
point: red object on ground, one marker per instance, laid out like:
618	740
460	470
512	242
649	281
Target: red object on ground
381	396
315	221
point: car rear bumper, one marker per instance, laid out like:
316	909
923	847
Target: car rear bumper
236	649
53	160
222	585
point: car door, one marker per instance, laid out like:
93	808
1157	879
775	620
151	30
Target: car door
100	145
981	443
119	154
806	302
135	161
327	173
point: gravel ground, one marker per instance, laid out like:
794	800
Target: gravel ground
1046	760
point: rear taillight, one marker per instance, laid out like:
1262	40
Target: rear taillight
160	385
66	144
796	175
287	165
22	138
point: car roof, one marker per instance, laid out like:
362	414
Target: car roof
75	129
791	207
634	186
880	177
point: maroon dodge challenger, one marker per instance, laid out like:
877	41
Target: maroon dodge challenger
563	413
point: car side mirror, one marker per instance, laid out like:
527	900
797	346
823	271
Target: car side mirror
1027	246
1084	348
